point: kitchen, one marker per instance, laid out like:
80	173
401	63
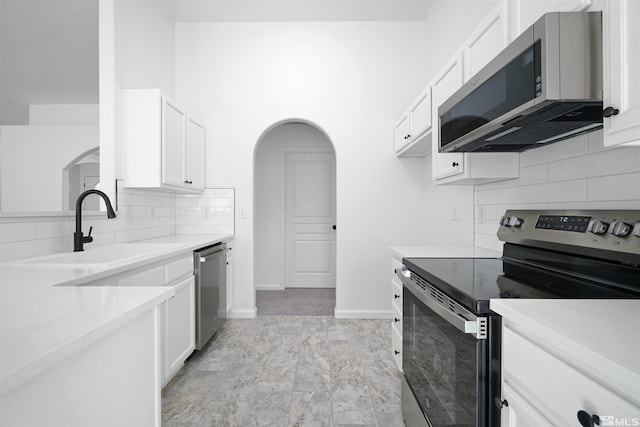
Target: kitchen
352	80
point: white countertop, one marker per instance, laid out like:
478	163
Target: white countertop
443	251
602	336
42	321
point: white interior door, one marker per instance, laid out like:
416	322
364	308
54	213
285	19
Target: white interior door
310	216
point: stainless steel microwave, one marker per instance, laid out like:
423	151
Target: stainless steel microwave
543	87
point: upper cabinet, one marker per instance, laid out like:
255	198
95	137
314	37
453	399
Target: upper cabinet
621	19
491	36
413	128
163	147
523	13
195	154
484	43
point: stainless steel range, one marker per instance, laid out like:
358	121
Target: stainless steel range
451	339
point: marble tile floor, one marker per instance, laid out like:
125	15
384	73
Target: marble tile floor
289	371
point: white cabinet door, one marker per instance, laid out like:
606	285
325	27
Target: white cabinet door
518	412
229	277
195	155
486	41
445	84
156	138
621	22
401	136
525	12
413	129
179	326
173	143
420	114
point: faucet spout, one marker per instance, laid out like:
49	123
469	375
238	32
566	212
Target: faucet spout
78	238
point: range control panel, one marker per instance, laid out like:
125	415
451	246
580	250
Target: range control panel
575	230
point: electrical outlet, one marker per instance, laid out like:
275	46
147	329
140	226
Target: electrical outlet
482	214
454	214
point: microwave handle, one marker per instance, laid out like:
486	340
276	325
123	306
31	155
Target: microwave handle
465	322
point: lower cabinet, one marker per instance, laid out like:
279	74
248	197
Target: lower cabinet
396	312
543	387
178	328
79	389
177	314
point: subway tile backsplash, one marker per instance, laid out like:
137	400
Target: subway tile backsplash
142	214
579	173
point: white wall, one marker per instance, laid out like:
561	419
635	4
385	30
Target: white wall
269	196
31	162
350	79
578	173
136	47
49	55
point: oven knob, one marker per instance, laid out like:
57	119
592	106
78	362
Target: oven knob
514	221
636	229
620	229
504	221
598	227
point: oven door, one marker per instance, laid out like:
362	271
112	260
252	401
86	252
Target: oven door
445	359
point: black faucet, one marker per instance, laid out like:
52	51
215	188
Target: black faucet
78	239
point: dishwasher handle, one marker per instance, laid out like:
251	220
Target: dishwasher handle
205	253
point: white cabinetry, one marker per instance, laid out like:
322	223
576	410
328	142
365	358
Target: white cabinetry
414	127
401	135
621	19
396	312
178	328
194	170
560	359
161	143
484	43
523	13
177	314
446	82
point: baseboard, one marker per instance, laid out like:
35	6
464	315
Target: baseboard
242	314
362	314
269	287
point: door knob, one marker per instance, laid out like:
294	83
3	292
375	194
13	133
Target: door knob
333	226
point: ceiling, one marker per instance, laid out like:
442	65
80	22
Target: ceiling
297	10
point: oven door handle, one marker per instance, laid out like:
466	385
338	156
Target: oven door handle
462	319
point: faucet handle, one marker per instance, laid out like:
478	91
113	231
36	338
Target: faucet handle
88	238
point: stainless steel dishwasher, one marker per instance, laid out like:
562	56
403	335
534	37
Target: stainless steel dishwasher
210	268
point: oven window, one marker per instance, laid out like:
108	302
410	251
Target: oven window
440	364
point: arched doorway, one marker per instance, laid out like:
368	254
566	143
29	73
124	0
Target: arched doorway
294	222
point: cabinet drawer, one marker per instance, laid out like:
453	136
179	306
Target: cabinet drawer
151	277
179	268
396	291
396	315
395	263
555	388
396	346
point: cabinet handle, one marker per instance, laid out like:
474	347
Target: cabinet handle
610	111
396	319
396	352
454	164
186	181
500	403
588	420
396	296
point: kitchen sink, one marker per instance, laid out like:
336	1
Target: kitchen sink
102	256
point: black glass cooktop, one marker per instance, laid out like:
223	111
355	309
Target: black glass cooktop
474	281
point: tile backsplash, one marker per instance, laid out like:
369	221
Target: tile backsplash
579	173
142	214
